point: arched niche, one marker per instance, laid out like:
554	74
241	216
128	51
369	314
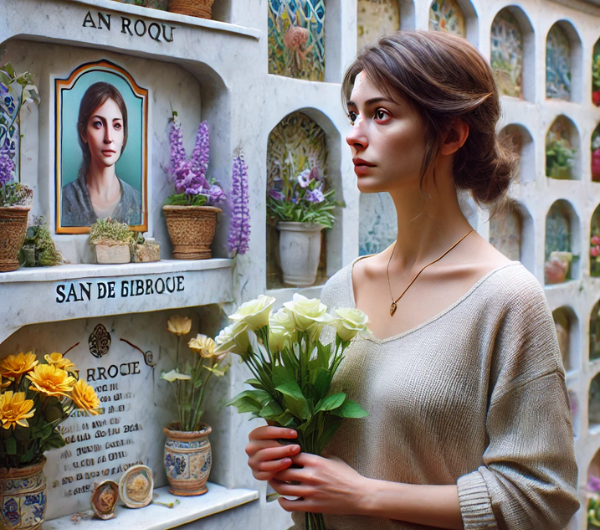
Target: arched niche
513	53
562	150
596	74
506	233
594	404
517	138
594	244
595	332
561	261
595	147
378	224
376	18
454	16
563	62
567	331
303	140
296	42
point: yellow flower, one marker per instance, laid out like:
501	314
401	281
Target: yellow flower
85	398
15	409
179	325
16	366
203	345
59	361
4	384
50	380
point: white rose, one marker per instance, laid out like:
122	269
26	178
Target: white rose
233	339
255	312
284	319
350	322
278	336
307	312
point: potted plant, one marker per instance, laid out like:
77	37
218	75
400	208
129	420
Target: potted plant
596	80
35	398
559	158
191	212
302	207
557	267
195	8
111	241
38	249
163	5
596	155
15	198
187	448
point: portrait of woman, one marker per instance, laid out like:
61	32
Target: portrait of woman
98	192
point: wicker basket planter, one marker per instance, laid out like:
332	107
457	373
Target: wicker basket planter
194	8
13	227
191	230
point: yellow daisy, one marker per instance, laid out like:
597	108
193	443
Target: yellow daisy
16	366
179	325
50	380
59	361
203	345
15	409
85	398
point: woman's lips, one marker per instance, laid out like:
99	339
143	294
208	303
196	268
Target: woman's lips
361	167
108	152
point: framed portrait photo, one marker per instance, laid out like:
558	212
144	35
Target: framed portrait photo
101	149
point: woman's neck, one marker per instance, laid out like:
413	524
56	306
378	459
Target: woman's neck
102	182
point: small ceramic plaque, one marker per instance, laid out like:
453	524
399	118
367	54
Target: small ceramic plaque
135	487
104	499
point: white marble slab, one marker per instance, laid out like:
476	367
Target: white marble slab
174	17
157	517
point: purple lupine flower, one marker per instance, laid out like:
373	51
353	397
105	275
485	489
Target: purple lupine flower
216	194
7	166
276	194
200	156
304	178
239	230
177	150
182	176
315	195
594	484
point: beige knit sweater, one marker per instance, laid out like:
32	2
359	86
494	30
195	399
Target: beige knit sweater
475	396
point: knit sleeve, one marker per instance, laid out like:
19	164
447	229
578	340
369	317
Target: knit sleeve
529	477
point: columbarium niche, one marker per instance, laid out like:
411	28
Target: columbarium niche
594	244
567	332
561	261
446	15
378	224
596	154
507	54
595	332
562	150
594	402
563	62
506	233
376	18
596	74
518	139
297	39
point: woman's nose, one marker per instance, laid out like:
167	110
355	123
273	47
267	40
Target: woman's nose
108	136
356	137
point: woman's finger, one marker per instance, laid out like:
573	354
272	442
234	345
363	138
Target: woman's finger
293	490
268	432
292	474
275	453
299	505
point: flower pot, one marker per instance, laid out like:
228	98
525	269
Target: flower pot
13	227
194	8
191	230
560	172
299	252
23	497
112	252
187	460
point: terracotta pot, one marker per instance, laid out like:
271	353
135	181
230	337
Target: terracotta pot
299	252
23	497
191	230
194	8
111	254
13	227
187	460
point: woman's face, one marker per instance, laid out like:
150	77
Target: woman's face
105	134
387	139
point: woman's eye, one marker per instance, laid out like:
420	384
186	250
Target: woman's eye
117	126
381	114
352	117
97	124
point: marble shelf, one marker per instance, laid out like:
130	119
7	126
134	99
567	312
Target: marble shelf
173	17
157	517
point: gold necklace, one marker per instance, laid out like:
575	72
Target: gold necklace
394	305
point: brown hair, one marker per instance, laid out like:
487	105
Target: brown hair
445	78
95	96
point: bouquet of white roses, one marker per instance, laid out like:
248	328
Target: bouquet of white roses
293	369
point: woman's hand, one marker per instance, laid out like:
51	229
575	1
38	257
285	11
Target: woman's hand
266	455
326	485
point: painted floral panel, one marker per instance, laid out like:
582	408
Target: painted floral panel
10	138
378	224
596	154
507	54
560	153
297	39
596	75
595	244
505	234
558	245
446	15
376	18
558	64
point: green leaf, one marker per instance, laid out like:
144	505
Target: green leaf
11	446
282	375
260	396
10	70
287	419
255	383
294	399
271	411
331	402
332	424
321	379
54	441
350	409
245	403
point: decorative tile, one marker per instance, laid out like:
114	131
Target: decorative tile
10	139
558	64
507	54
506	233
376	18
558	255
595	333
560	152
378	224
297	39
446	15
596	75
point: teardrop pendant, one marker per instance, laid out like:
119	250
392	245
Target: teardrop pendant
393	308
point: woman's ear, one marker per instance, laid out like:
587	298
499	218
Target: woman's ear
455	138
83	137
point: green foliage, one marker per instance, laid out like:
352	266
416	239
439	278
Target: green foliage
15	194
109	231
593	510
303	211
559	155
183	199
39	241
596	72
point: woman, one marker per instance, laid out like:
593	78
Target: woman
98	192
469	423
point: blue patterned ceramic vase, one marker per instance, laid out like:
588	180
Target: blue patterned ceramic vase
187	460
23	497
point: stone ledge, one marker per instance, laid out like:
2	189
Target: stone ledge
157	517
173	17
